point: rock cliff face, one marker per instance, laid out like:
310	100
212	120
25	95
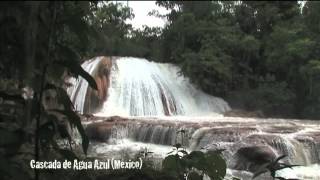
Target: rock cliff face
95	99
85	99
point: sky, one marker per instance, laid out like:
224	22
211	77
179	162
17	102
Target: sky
141	10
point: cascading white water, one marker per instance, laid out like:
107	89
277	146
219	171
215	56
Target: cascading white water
143	88
298	139
139	87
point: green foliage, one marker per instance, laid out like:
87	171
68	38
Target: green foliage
272	97
232	48
194	165
31	128
210	163
311	16
76	69
74	120
108	20
311	74
273	167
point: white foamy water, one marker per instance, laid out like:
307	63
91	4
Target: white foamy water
311	172
132	147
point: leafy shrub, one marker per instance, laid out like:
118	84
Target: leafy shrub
195	165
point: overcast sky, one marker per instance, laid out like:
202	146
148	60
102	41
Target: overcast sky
141	9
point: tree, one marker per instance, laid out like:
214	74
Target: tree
109	21
49	50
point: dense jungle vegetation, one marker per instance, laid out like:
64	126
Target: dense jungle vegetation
258	55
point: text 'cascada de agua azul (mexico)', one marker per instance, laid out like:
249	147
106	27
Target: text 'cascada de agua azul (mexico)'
141	104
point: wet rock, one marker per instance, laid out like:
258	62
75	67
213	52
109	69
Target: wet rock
251	158
95	99
243	113
298	142
283	129
101	131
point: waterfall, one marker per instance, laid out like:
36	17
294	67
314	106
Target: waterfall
153	102
138	87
